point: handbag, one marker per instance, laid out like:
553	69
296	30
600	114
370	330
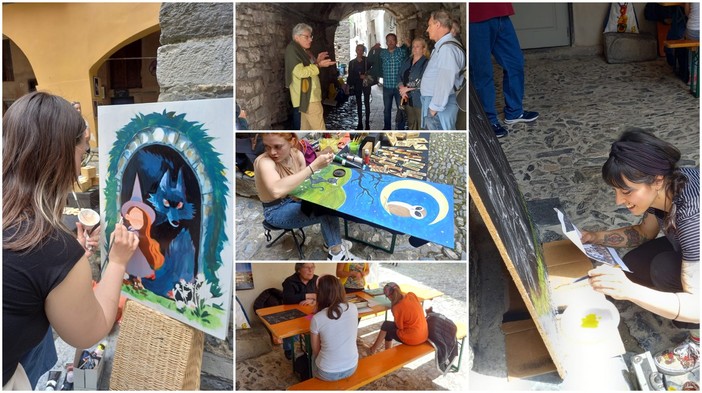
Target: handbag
369	80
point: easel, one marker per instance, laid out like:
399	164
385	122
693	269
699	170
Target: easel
155	352
536	271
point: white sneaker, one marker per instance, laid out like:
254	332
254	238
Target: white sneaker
344	242
343	255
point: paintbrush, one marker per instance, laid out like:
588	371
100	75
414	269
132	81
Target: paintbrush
107	259
577	280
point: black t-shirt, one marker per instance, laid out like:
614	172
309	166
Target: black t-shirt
294	290
27	280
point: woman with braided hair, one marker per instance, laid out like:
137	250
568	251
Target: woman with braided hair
643	171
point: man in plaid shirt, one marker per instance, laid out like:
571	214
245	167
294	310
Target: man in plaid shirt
391	60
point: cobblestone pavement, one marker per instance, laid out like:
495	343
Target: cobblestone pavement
272	371
447	164
584	105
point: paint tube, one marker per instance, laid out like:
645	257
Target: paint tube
52	381
353	158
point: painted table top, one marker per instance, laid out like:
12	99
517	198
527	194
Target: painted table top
418	208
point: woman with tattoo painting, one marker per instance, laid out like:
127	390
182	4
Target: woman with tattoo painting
643	171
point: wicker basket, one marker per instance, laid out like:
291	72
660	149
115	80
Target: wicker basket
156	352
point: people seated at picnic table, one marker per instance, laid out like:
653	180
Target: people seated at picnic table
353	275
279	171
300	288
410	324
333	332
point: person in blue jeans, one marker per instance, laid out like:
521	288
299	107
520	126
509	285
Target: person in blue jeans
491	33
442	75
281	169
391	60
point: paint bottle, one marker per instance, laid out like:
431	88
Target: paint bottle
366	157
354	158
68	382
52	381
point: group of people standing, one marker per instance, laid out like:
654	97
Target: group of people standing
334	326
422	84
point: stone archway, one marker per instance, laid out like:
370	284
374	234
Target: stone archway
263	30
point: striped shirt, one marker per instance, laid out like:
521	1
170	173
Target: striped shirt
685	238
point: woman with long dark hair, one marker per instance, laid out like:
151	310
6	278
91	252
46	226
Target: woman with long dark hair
46	274
333	332
644	173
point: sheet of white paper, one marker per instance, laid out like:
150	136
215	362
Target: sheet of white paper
599	253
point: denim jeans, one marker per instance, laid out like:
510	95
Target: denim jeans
496	37
388	95
40	359
366	92
444	120
325	376
655	264
288	215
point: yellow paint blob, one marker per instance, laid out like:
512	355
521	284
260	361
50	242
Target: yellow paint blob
591	321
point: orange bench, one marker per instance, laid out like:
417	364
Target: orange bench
370	368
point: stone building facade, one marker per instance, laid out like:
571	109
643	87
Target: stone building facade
263	30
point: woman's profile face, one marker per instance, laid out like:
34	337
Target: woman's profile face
135	217
637	197
81	148
277	147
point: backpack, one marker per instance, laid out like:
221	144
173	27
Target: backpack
461	90
268	298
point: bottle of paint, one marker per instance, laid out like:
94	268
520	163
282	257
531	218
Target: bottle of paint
366	157
52	381
68	382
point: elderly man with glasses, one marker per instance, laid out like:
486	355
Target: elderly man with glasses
302	77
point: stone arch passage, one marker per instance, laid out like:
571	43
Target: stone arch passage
263	30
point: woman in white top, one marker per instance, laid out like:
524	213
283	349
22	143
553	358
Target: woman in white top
333	332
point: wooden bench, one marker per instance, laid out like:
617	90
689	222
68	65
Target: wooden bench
693	61
370	368
461	333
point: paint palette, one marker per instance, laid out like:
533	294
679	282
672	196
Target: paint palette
590	322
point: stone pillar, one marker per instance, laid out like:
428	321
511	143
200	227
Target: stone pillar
195	60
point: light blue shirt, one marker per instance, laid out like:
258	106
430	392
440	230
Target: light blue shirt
442	75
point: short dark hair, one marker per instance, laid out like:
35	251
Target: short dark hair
391	34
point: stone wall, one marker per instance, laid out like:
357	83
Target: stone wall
195	57
341	43
195	61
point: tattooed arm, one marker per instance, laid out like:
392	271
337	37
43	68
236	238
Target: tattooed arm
681	306
630	236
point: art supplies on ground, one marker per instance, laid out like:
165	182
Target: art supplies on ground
86	375
599	253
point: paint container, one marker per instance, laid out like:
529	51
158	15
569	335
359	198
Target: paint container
52	381
366	157
353	158
68	381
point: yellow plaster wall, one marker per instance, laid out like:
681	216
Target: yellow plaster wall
66	43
